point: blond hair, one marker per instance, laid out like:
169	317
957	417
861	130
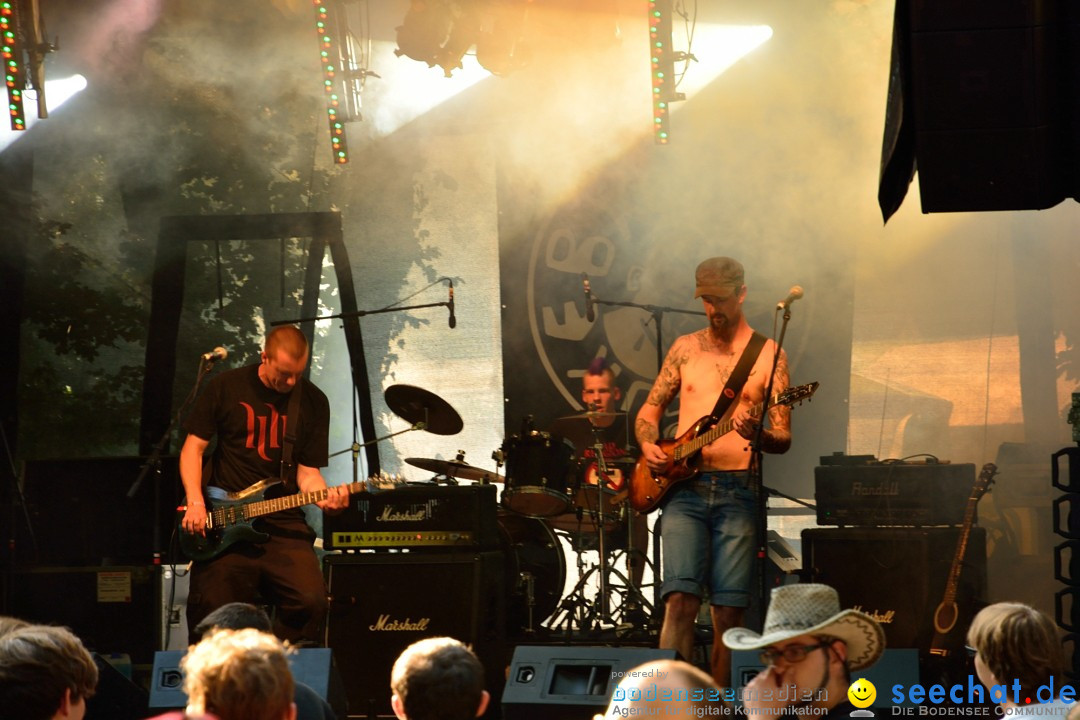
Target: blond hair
1018	642
239	675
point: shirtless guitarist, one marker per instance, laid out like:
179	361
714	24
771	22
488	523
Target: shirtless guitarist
708	521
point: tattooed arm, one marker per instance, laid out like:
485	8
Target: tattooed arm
664	389
776	438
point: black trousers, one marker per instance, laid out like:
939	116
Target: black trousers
283	572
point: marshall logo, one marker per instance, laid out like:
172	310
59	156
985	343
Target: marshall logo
884	618
881	488
385	624
388	514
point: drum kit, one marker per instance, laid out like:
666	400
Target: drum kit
548	493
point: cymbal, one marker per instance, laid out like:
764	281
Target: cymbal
455	469
588	414
418	405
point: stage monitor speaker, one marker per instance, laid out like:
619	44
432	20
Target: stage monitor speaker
80	513
898	576
380	603
568	683
313	667
112	609
896	666
116	696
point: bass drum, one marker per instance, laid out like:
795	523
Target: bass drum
534	558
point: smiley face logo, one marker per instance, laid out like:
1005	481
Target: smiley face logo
862	693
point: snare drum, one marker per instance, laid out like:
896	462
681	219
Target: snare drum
539	474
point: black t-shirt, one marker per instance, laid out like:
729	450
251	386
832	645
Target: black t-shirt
615	438
248	421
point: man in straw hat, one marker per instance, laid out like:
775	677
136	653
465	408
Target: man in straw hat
809	647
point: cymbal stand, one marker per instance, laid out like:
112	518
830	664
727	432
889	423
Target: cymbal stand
575	609
597	515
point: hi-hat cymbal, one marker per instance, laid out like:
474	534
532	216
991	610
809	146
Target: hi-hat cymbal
589	414
418	405
455	469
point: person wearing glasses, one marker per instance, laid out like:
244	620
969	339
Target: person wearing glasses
809	647
1015	643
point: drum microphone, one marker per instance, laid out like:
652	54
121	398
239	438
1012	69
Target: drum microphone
450	304
794	294
218	353
590	312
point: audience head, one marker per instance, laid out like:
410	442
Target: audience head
239	675
45	673
1014	641
235	616
8	623
809	642
438	679
664	687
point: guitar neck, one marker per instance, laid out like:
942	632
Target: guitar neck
273	505
961	549
690	447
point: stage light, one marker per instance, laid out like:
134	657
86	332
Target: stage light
13	68
59	92
333	86
663	67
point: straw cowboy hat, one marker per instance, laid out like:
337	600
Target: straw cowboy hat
813	609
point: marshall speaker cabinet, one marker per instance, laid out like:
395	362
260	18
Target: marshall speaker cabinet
899	576
380	603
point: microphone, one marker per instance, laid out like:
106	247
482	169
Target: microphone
450	304
794	294
218	353
590	311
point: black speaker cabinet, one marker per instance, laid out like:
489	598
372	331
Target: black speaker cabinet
569	683
381	603
313	667
898	576
113	609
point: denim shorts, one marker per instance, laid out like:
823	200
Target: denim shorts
708	530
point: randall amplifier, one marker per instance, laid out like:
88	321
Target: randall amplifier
416	516
892	494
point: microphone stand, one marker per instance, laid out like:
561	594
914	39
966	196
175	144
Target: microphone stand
356	445
153	462
657	312
756	477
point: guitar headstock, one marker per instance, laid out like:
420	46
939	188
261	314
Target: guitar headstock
797	394
985	480
384	481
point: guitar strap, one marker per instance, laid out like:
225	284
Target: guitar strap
739	374
292	422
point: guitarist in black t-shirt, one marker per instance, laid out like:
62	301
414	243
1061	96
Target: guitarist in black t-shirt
246	411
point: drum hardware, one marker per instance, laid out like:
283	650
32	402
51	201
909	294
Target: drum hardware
539	473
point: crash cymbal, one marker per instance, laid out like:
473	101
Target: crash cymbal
417	405
455	469
588	414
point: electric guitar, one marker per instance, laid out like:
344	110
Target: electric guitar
229	515
647	488
947	612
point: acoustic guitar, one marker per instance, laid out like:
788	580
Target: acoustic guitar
947	612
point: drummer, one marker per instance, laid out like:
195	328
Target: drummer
601	396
